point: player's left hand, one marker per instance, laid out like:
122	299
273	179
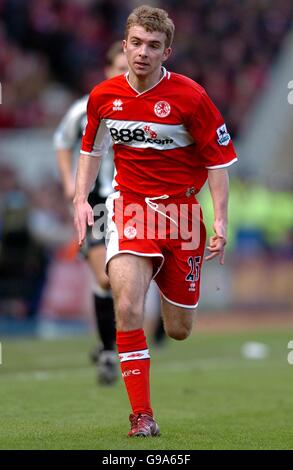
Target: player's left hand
217	243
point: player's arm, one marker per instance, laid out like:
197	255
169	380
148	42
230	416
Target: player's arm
95	144
217	153
65	138
64	161
219	188
88	168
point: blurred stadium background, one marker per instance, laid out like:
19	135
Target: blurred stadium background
52	52
241	51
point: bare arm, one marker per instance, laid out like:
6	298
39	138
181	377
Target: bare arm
219	187
88	168
66	137
64	161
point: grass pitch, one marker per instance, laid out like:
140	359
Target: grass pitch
204	393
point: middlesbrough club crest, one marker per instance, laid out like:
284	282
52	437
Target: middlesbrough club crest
130	232
162	109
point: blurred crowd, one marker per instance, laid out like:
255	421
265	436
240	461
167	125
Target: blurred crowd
260	220
35	226
53	50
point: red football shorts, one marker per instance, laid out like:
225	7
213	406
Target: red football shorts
170	230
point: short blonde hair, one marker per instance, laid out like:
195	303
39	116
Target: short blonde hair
151	19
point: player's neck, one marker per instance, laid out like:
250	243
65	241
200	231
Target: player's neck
141	84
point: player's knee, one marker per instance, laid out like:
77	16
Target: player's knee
128	316
178	333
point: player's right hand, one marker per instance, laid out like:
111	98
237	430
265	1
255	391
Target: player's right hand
83	216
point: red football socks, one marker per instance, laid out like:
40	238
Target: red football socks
135	365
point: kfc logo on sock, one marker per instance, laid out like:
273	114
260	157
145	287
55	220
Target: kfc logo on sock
127	373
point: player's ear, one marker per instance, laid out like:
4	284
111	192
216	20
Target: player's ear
124	45
167	53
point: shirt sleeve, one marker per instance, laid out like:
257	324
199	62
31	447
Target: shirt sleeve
68	132
96	137
213	141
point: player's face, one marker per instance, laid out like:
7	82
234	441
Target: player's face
145	51
119	66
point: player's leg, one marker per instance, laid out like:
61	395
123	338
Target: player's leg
179	283
105	356
179	295
102	297
178	321
96	258
130	277
152	315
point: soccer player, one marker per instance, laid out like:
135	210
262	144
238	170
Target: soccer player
66	137
168	139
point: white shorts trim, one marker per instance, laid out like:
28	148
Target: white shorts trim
138	253
178	305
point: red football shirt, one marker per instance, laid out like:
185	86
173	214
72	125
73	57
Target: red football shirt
165	138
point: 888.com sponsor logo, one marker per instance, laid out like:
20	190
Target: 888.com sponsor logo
145	135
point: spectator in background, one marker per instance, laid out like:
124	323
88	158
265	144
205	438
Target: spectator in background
23	260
